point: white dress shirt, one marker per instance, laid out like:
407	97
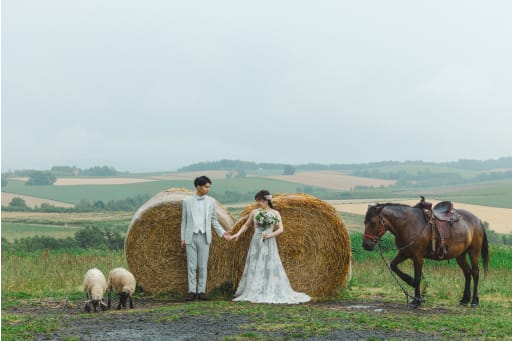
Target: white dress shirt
199	214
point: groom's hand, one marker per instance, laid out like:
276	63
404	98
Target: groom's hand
226	236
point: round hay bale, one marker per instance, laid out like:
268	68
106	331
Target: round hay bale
314	246
153	251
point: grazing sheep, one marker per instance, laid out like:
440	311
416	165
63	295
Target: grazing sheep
122	281
95	285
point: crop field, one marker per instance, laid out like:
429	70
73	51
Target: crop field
12	231
31	201
98	181
332	180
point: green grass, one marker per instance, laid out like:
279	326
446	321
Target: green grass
12	231
53	273
24	326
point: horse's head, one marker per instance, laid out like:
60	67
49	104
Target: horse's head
374	227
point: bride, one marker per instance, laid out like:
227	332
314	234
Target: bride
264	279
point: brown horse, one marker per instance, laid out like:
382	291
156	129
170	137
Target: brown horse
413	239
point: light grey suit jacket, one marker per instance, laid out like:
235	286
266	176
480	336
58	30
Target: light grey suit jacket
187	219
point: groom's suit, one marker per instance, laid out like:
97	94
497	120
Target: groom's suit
198	216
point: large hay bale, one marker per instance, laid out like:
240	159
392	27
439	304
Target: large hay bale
314	247
153	251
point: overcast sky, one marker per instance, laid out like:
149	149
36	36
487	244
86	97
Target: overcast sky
157	85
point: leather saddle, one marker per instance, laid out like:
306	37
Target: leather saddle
441	217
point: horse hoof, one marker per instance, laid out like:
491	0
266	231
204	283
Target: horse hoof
463	302
474	305
415	303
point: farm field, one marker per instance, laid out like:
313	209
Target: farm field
65	218
12	231
332	180
31	201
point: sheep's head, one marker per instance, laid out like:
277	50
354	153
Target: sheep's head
95	303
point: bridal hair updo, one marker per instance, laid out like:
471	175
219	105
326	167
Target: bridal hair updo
264	195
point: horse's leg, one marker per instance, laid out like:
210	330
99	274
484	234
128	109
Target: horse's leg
466	270
475	271
418	268
413	282
394	266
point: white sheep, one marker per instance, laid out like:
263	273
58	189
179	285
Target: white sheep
95	285
122	281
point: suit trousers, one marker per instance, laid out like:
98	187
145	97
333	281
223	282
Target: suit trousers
197	263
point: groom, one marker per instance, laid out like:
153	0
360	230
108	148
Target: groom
197	218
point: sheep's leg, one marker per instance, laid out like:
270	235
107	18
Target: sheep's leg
109	298
131	302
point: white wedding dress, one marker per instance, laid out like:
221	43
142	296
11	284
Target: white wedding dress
264	279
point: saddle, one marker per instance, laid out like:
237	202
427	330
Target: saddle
441	218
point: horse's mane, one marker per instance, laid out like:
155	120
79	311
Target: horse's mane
391	204
375	209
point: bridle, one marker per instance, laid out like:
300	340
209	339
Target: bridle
380	232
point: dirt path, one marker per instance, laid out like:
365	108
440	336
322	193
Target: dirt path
147	322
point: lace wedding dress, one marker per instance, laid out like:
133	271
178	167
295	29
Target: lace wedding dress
264	279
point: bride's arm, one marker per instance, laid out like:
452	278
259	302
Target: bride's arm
244	226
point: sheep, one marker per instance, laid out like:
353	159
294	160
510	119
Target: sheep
95	285
122	281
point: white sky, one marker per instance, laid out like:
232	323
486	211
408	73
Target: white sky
160	84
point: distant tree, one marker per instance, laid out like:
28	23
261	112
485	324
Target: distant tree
18	203
99	205
100	171
4	180
63	170
40	178
288	170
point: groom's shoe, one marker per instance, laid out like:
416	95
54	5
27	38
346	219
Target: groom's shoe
190	297
202	296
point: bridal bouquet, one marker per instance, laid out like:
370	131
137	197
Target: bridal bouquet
265	219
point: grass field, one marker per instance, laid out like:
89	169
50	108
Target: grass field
12	231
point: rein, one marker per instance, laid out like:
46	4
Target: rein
406	293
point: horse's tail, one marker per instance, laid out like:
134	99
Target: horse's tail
485	250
